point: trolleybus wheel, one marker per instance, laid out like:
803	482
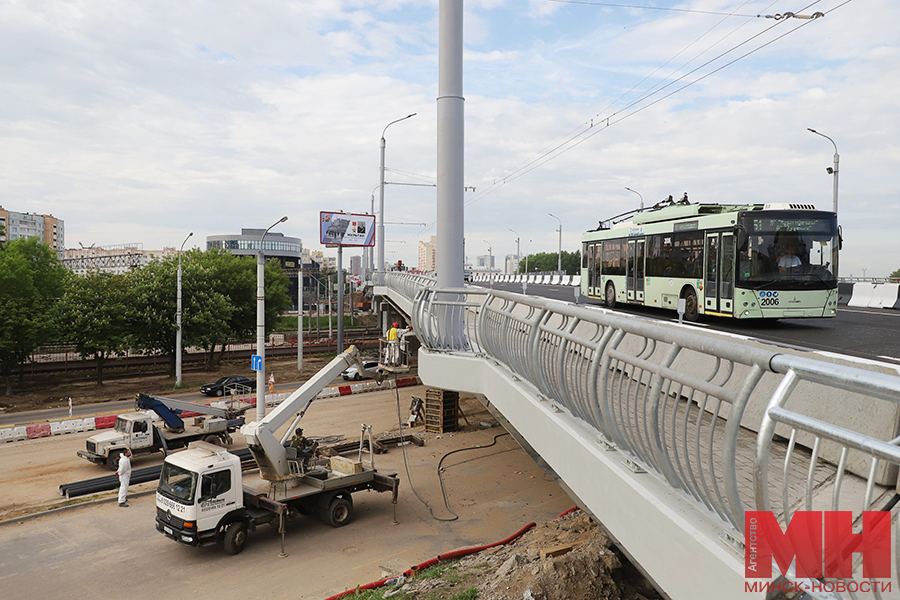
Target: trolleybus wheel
610	295
691	312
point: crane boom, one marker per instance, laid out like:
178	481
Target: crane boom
268	451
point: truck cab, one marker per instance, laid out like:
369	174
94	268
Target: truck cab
200	496
132	430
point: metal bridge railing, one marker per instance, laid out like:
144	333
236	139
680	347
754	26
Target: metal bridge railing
671	399
616	374
806	470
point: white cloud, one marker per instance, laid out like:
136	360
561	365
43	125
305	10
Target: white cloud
138	122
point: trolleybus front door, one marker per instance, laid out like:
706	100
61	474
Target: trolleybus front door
634	276
719	273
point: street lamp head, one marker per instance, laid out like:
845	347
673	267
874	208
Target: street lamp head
282	220
396	121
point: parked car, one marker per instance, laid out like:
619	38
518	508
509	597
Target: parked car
353	371
230	384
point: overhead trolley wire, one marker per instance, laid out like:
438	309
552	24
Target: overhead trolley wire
585	131
592	127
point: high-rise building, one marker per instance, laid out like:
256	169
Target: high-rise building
428	255
326	263
512	264
25	225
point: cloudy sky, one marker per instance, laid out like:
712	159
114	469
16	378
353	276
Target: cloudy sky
139	121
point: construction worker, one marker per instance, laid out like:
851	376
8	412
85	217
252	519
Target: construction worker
393	349
306	448
124	473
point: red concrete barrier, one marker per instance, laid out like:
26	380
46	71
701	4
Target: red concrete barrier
38	431
344	390
407	382
104	422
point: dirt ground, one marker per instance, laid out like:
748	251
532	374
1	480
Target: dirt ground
491	489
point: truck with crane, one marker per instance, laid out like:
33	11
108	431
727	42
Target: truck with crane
204	497
158	426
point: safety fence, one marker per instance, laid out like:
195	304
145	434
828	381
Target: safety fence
529	278
18	433
869	294
673	401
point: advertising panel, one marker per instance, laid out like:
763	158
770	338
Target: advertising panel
346	229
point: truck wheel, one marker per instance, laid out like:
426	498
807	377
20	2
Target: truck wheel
112	461
339	513
235	538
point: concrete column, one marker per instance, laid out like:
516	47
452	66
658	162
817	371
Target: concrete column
450	139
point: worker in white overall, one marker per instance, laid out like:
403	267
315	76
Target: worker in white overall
124	473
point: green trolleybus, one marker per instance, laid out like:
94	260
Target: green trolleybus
756	261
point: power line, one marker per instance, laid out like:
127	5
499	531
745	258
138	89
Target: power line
574	140
591	128
665	8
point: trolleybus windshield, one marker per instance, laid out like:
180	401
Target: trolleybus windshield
787	250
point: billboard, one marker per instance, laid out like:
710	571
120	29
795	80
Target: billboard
343	229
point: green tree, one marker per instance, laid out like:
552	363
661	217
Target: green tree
95	316
219	295
151	309
548	261
895	274
31	281
218	301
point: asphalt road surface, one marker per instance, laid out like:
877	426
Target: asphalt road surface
115	407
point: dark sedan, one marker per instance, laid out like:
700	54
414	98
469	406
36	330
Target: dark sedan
230	384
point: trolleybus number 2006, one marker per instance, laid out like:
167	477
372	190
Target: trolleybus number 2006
738	261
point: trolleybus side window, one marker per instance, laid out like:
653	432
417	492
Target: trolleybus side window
614	257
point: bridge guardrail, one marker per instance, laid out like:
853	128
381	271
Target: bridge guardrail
625	378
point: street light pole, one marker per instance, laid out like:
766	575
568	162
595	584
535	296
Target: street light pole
178	318
834	171
300	312
518	258
261	324
639	195
490	263
559	260
370	256
380	266
525	279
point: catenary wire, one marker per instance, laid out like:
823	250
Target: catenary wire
574	138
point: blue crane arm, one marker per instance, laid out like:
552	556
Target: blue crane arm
169	415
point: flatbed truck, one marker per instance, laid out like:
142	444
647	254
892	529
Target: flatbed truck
158	426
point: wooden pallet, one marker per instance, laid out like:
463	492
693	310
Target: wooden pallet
441	411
